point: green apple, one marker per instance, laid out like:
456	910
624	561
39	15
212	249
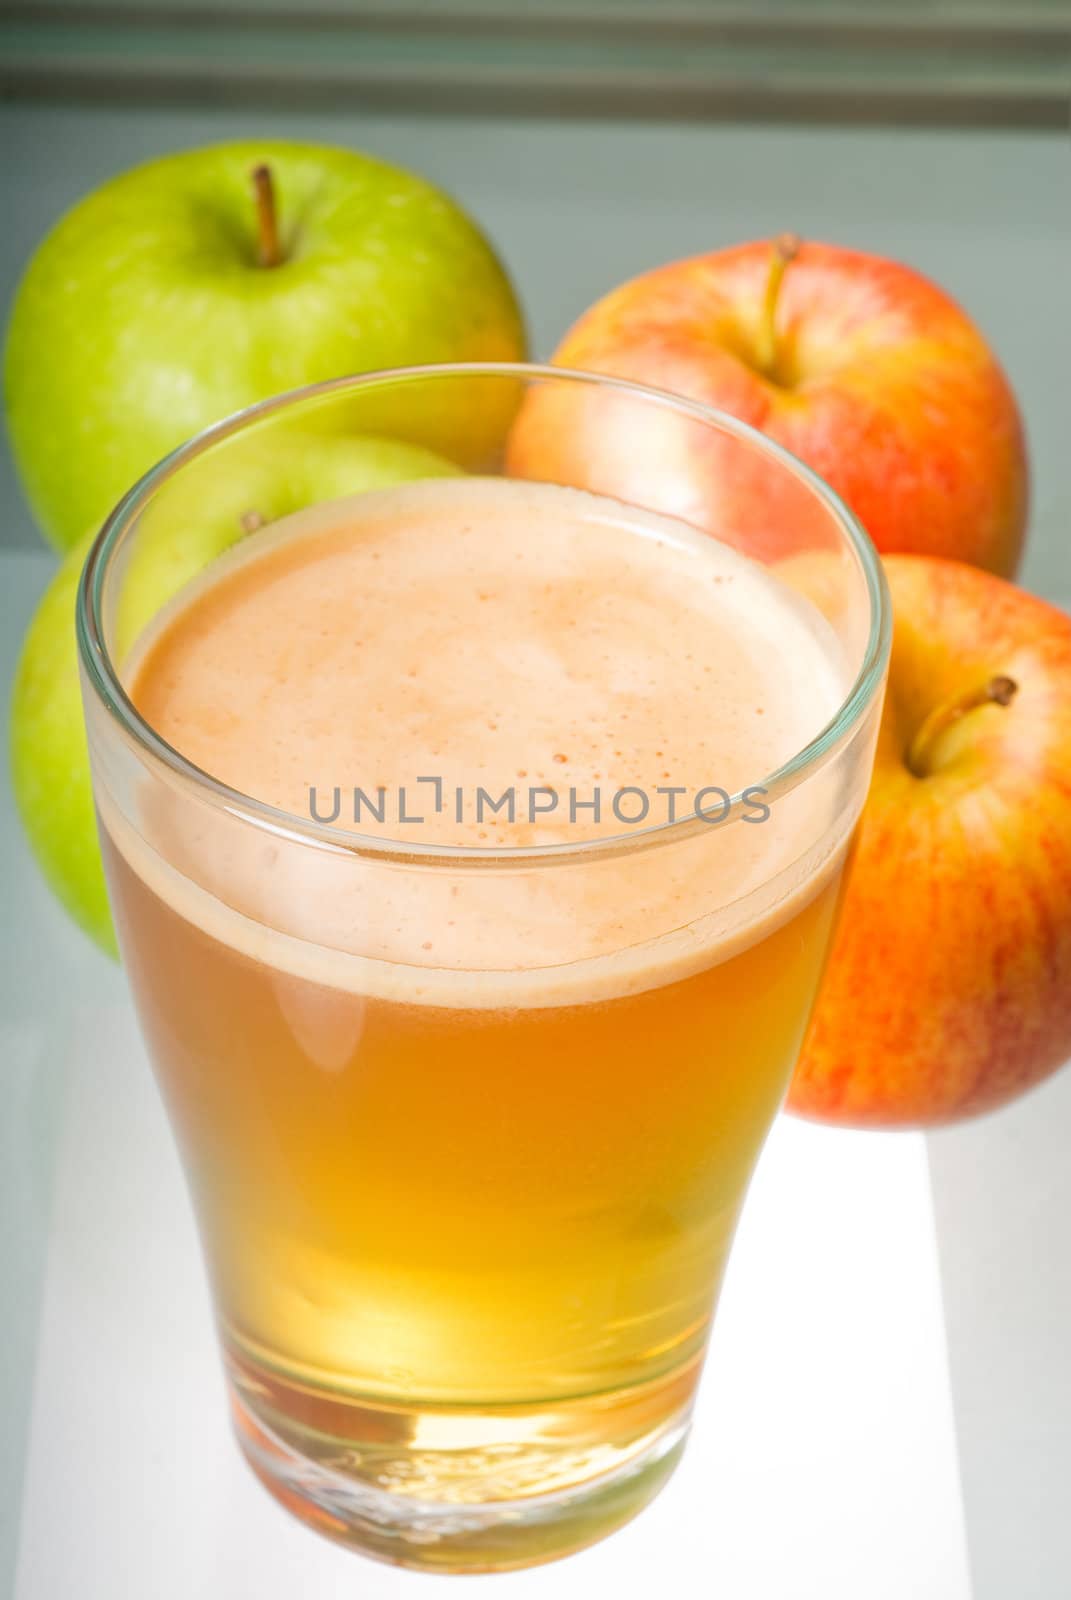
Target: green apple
49	759
195	285
216	506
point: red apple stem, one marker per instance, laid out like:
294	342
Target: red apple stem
269	245
998	691
786	247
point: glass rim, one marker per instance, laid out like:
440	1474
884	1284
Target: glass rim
103	677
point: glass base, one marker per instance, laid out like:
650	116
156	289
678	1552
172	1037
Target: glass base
444	1490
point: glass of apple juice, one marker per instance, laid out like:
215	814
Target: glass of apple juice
476	751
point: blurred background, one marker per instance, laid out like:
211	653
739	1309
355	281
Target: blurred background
951	62
594	139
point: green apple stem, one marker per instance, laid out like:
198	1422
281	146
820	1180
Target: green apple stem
786	248
269	245
999	691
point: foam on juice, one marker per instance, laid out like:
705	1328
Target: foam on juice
495	635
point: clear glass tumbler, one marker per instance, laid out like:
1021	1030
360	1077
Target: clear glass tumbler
465	1202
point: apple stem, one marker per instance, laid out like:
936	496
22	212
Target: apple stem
269	246
786	247
999	691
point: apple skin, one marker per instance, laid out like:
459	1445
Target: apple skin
50	761
145	316
948	989
49	755
882	384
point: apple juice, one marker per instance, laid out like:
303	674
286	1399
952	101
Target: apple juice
468	1135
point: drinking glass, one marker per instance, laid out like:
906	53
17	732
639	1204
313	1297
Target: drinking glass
464	1227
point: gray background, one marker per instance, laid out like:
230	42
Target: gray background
575	208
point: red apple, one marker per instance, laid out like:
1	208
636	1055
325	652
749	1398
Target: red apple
948	989
860	366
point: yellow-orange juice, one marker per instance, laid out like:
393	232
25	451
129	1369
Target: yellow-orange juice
467	1138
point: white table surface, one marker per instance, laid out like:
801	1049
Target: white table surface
887	1408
